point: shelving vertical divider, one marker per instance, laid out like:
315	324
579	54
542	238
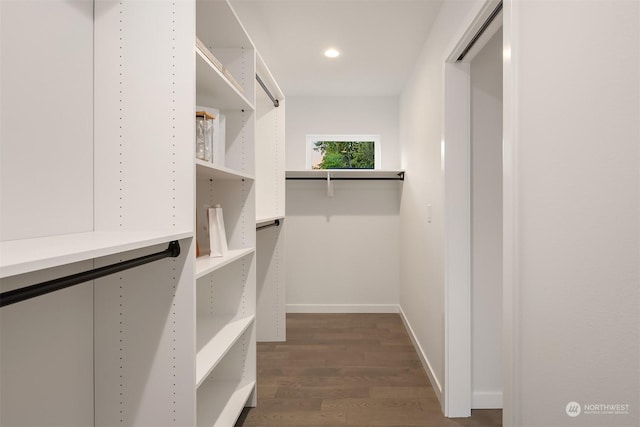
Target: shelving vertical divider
226	287
270	206
144	327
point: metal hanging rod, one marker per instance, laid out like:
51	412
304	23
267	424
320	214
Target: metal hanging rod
28	292
354	178
481	31
275	101
275	223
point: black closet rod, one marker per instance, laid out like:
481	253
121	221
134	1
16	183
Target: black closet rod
275	223
353	178
275	101
28	292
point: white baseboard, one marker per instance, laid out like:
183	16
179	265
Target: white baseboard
342	308
486	400
437	388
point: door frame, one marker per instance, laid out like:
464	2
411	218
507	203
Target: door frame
456	159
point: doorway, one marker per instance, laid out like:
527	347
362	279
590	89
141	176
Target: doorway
472	154
486	225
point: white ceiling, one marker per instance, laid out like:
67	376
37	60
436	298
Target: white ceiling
379	40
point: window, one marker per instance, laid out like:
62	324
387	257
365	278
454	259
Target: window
343	152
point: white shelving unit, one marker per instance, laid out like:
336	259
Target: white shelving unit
270	206
226	287
114	177
104	176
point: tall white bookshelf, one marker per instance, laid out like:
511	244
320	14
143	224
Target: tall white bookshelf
270	207
226	287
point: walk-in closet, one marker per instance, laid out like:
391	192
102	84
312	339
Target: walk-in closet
256	213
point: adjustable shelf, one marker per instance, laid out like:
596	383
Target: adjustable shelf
211	171
206	265
215	337
216	412
346	174
213	87
28	255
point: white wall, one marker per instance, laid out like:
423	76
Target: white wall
421	132
342	252
486	225
572	210
342	115
571	206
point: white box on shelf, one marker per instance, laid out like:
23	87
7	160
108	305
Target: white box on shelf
217	233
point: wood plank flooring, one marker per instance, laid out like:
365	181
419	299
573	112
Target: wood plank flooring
347	370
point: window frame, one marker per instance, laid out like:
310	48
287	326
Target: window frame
377	147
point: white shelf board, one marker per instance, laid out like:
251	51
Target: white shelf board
346	173
211	84
209	170
260	221
213	407
27	255
214	338
206	265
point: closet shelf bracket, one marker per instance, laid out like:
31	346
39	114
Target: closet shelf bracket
28	292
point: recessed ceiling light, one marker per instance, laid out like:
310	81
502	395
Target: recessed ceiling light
331	53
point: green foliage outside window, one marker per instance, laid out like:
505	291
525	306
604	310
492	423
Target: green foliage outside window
345	154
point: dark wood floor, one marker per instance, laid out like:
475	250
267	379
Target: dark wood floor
347	370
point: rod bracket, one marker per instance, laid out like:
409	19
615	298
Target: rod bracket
174	248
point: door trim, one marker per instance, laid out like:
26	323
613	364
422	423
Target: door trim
456	156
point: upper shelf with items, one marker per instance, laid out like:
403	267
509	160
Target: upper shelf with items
214	88
227	49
